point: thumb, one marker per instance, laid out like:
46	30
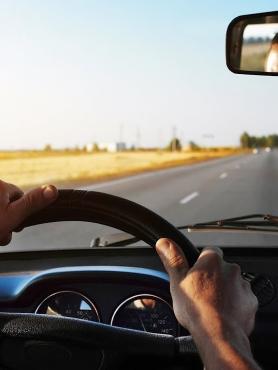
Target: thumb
173	259
30	203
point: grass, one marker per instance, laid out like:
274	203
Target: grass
28	169
254	56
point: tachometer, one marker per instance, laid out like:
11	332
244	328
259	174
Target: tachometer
69	304
147	313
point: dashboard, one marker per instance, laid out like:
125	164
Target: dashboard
133	298
124	287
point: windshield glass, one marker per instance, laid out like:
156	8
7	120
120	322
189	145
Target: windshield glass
135	99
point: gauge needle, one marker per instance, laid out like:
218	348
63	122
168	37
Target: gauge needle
141	321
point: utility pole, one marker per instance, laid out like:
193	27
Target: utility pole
174	141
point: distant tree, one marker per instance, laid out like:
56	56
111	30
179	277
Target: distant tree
48	148
174	145
248	141
95	148
193	146
272	141
245	140
261	142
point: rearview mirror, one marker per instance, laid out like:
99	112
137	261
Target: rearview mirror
252	44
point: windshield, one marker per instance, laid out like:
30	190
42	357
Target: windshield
135	99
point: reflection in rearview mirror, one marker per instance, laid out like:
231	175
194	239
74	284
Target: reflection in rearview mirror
252	44
260	48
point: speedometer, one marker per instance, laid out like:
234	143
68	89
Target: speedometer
69	304
146	312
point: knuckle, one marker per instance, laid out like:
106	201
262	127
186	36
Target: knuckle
216	258
176	261
246	284
235	268
27	202
211	257
215	261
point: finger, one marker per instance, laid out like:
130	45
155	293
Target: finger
30	203
212	250
14	192
245	284
18	229
173	259
210	255
4	194
9	193
6	239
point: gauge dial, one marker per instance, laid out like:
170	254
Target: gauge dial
69	304
146	313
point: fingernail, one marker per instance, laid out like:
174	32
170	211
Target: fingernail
49	192
163	246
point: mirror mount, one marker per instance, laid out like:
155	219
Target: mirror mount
249	40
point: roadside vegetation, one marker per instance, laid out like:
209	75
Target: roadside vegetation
249	141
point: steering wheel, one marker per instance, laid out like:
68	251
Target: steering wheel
45	342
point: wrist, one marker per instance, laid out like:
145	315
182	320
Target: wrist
224	345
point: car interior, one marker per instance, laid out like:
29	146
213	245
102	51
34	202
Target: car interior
109	306
101	289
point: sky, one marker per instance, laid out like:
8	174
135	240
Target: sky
76	72
261	30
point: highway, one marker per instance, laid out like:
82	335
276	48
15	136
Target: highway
227	187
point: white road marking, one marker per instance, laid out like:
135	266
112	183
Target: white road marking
189	197
223	175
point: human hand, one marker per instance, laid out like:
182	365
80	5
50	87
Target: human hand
210	294
15	206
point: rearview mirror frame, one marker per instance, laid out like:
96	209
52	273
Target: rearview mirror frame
234	37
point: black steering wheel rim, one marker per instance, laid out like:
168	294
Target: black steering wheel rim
110	210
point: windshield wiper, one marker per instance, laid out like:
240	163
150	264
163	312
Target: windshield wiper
120	239
253	222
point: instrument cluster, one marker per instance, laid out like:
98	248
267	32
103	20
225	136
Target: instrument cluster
144	312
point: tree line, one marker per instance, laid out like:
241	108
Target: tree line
248	141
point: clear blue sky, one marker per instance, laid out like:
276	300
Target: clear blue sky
74	72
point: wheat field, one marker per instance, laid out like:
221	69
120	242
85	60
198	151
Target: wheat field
28	169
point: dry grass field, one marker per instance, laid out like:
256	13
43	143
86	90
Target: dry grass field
27	169
253	56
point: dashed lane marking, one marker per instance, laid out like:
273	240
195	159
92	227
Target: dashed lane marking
189	197
223	175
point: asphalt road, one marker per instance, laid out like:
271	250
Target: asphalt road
206	191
